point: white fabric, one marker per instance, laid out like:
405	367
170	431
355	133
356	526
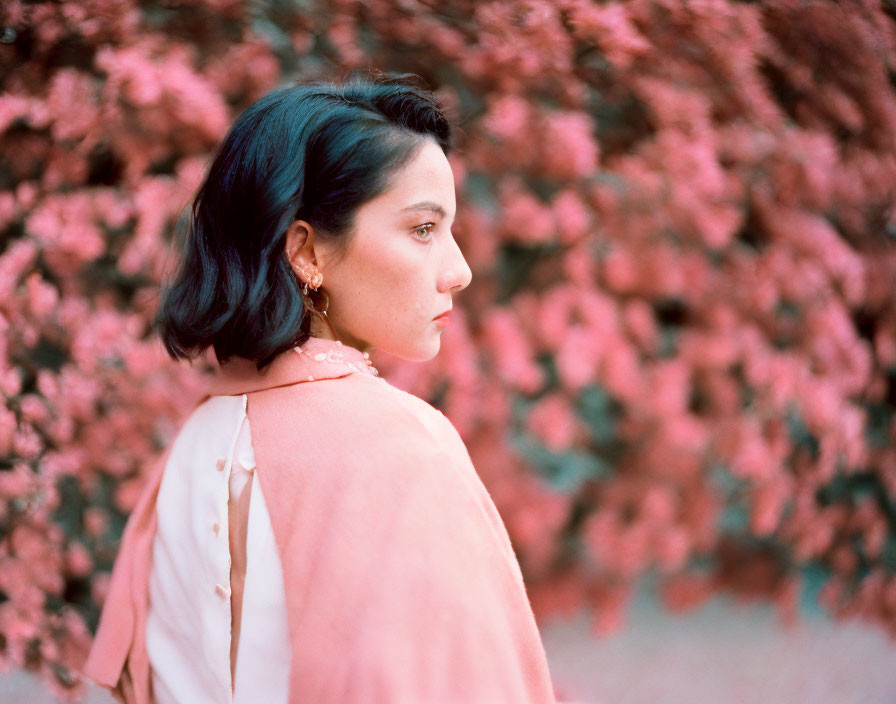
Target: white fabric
188	623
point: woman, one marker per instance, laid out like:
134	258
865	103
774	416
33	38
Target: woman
314	534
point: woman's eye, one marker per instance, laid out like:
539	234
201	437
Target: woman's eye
425	229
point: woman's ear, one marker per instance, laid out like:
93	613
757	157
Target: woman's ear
299	247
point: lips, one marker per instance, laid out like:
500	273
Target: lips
444	314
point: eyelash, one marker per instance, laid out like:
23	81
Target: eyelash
420	227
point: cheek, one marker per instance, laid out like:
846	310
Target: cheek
390	281
404	288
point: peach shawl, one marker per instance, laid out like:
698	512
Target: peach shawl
401	583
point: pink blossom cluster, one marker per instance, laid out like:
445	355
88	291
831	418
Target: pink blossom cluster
678	352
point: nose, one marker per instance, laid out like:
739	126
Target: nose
456	273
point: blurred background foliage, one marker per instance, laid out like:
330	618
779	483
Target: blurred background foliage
678	352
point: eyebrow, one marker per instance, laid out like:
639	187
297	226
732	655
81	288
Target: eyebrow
425	205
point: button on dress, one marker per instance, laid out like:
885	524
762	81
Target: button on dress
202	533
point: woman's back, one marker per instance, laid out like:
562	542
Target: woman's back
216	603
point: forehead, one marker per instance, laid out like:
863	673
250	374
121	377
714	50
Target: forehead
424	185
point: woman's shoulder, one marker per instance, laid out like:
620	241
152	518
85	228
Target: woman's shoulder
362	395
357	441
363	412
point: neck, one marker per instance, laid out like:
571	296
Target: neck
322	328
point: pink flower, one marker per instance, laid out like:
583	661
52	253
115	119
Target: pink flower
78	560
12	107
820	404
26	442
111	207
620	272
555	307
609	605
7	429
658	505
15	261
633	549
79	393
553	421
685	591
571	215
749	456
511	351
42	297
17	483
569	150
599	534
611	28
33	409
96	521
524	218
640	323
48	384
670	388
579	266
672	548
682	114
768	505
620	371
66	228
578	357
72	102
508	118
61	430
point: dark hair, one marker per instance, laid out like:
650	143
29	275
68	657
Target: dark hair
314	151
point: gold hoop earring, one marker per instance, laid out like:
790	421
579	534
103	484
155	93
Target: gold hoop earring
320	314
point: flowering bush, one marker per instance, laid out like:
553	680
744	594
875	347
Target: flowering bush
678	353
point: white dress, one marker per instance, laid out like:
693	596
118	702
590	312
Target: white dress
188	628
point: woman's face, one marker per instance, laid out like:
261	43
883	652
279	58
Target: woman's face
402	265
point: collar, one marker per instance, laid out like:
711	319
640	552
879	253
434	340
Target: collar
317	358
